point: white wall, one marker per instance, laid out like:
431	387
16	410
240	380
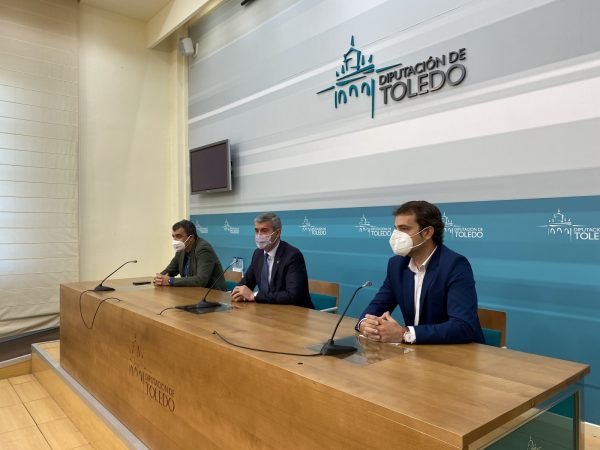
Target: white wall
128	161
523	124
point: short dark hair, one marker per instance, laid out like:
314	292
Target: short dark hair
427	215
188	227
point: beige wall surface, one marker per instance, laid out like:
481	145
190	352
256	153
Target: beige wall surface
128	158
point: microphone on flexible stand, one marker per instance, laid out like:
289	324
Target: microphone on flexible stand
102	288
203	304
330	347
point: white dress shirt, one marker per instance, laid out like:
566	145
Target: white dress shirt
272	258
419	272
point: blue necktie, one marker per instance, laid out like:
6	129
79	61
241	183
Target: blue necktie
186	265
264	275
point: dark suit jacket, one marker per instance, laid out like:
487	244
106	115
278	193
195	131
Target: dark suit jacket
448	298
289	281
205	267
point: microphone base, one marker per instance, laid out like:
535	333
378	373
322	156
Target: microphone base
101	288
331	349
200	306
204	304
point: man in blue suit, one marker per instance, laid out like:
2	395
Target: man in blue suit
277	268
433	285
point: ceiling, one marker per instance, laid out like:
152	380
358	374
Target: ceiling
142	10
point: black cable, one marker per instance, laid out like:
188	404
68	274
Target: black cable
166	309
89	327
263	350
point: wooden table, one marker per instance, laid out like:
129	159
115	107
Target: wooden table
175	384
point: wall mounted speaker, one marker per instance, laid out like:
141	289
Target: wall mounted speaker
187	47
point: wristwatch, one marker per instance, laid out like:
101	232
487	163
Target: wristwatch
171	281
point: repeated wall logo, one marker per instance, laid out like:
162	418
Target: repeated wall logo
364	226
307	227
153	388
200	229
560	226
358	75
229	229
459	231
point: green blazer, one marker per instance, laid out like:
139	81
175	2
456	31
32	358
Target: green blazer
205	268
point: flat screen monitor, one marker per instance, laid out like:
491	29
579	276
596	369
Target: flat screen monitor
210	168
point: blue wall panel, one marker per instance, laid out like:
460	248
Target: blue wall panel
543	271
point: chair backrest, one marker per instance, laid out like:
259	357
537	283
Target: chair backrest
493	324
232	278
325	295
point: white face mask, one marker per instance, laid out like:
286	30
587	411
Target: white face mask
179	246
263	241
402	243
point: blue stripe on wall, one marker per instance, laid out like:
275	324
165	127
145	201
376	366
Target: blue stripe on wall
540	267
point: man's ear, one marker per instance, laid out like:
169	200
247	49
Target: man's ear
428	232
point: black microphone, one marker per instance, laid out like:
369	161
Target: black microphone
202	304
101	288
330	347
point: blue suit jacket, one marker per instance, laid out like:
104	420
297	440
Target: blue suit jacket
289	280
448	298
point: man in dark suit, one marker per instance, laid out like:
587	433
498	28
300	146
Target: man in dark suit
195	261
433	286
277	268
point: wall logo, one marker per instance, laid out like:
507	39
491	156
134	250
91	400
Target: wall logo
364	226
559	226
229	229
459	231
200	229
306	227
357	76
155	389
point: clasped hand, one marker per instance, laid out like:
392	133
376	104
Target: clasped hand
382	328
242	294
161	280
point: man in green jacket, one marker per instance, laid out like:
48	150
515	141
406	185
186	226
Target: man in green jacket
195	261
